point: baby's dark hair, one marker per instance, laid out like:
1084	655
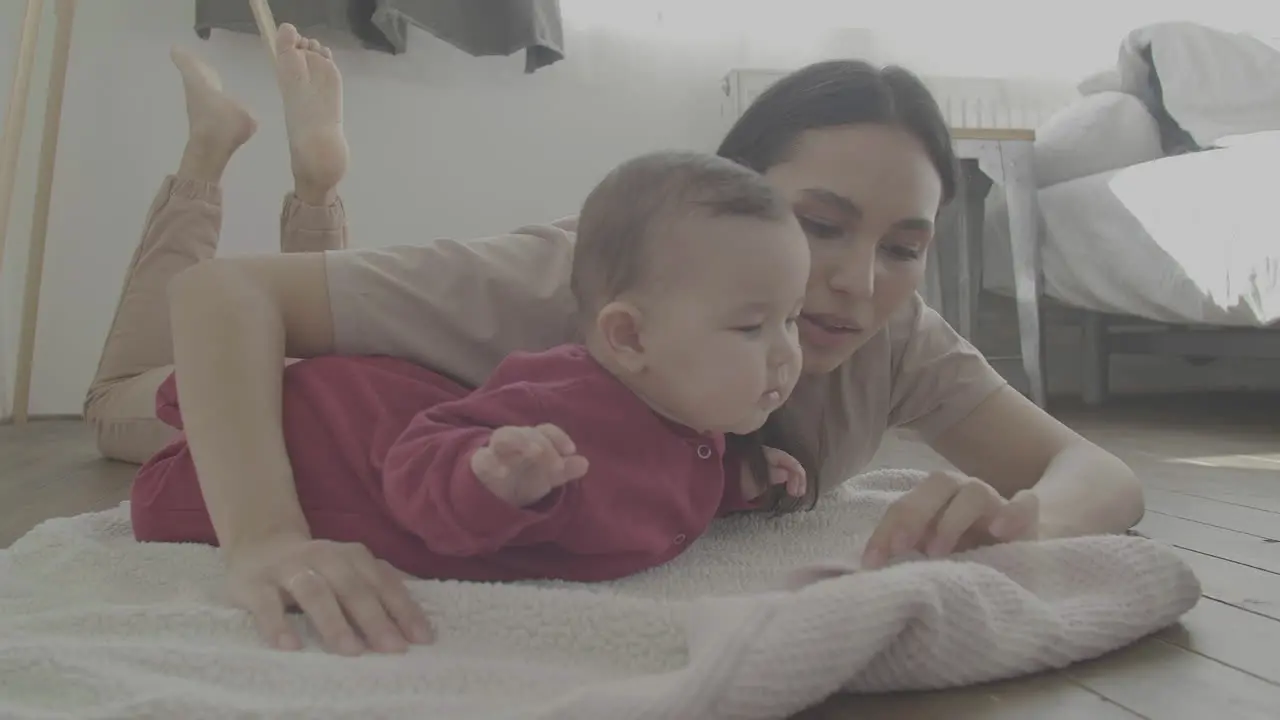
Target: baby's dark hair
640	199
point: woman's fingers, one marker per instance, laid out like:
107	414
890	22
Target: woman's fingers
362	604
268	611
974	502
407	614
311	591
351	598
908	519
1019	519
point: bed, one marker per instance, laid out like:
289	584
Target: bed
1192	239
1158	202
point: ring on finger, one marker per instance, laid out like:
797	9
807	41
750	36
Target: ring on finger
298	577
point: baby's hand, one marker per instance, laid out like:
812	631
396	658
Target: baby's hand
785	470
523	464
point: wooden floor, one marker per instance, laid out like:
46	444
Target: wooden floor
1211	467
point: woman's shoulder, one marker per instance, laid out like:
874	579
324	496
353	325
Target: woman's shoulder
456	305
936	376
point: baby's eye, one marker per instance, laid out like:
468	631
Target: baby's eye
750	329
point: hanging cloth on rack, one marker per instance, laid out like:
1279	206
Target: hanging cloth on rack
477	27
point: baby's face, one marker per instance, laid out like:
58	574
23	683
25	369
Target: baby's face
719	320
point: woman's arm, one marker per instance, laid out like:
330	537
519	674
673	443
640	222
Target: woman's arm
233	321
1013	445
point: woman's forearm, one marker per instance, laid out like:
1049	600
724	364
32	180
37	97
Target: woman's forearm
229	350
1088	491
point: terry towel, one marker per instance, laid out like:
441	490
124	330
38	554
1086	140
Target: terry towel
761	618
477	27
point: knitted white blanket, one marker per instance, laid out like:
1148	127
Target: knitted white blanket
94	625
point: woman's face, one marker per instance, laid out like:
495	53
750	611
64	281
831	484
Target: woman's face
866	196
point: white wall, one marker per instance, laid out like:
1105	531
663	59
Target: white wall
443	143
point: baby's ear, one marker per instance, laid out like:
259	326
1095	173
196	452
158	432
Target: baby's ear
618	324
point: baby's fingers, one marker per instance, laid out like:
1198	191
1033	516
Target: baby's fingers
575	467
514	445
558	438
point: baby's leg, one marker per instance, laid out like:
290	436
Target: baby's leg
181	229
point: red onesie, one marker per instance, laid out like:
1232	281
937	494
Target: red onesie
381	452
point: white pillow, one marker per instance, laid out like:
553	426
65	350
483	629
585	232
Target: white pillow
1214	83
1105	131
1100	82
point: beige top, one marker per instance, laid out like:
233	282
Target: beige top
460	307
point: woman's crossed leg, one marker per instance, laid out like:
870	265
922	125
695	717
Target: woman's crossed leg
183	225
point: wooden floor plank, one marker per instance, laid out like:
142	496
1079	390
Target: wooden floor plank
1218	542
1239	518
1255	500
1051	696
1233	637
1165	475
1159	680
1228	582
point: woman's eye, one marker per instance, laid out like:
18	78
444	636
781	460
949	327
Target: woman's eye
902	252
821	230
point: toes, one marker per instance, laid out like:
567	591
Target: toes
313	45
287	37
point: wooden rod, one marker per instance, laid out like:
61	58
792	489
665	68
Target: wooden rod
266	24
15	115
65	11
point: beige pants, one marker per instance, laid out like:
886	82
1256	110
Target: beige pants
181	229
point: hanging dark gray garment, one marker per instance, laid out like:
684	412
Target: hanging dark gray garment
477	27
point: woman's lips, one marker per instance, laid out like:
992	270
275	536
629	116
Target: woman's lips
827	330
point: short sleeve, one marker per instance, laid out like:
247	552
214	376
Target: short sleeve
938	377
457	307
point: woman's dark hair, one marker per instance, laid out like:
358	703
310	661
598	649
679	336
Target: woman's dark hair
837	93
832	93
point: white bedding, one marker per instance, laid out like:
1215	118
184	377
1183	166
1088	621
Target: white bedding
94	625
1186	239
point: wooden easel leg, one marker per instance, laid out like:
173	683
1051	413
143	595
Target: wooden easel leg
266	24
65	11
15	114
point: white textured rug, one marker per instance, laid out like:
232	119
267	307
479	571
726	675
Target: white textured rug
94	625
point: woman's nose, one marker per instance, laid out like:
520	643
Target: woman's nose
856	273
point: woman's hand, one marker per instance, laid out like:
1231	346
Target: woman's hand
354	601
949	512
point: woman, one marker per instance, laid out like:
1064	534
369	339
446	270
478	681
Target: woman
863	153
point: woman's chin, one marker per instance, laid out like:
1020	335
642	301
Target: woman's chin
821	361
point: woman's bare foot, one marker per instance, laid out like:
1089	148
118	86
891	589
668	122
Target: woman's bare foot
218	124
311	87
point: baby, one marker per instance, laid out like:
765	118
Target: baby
584	462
